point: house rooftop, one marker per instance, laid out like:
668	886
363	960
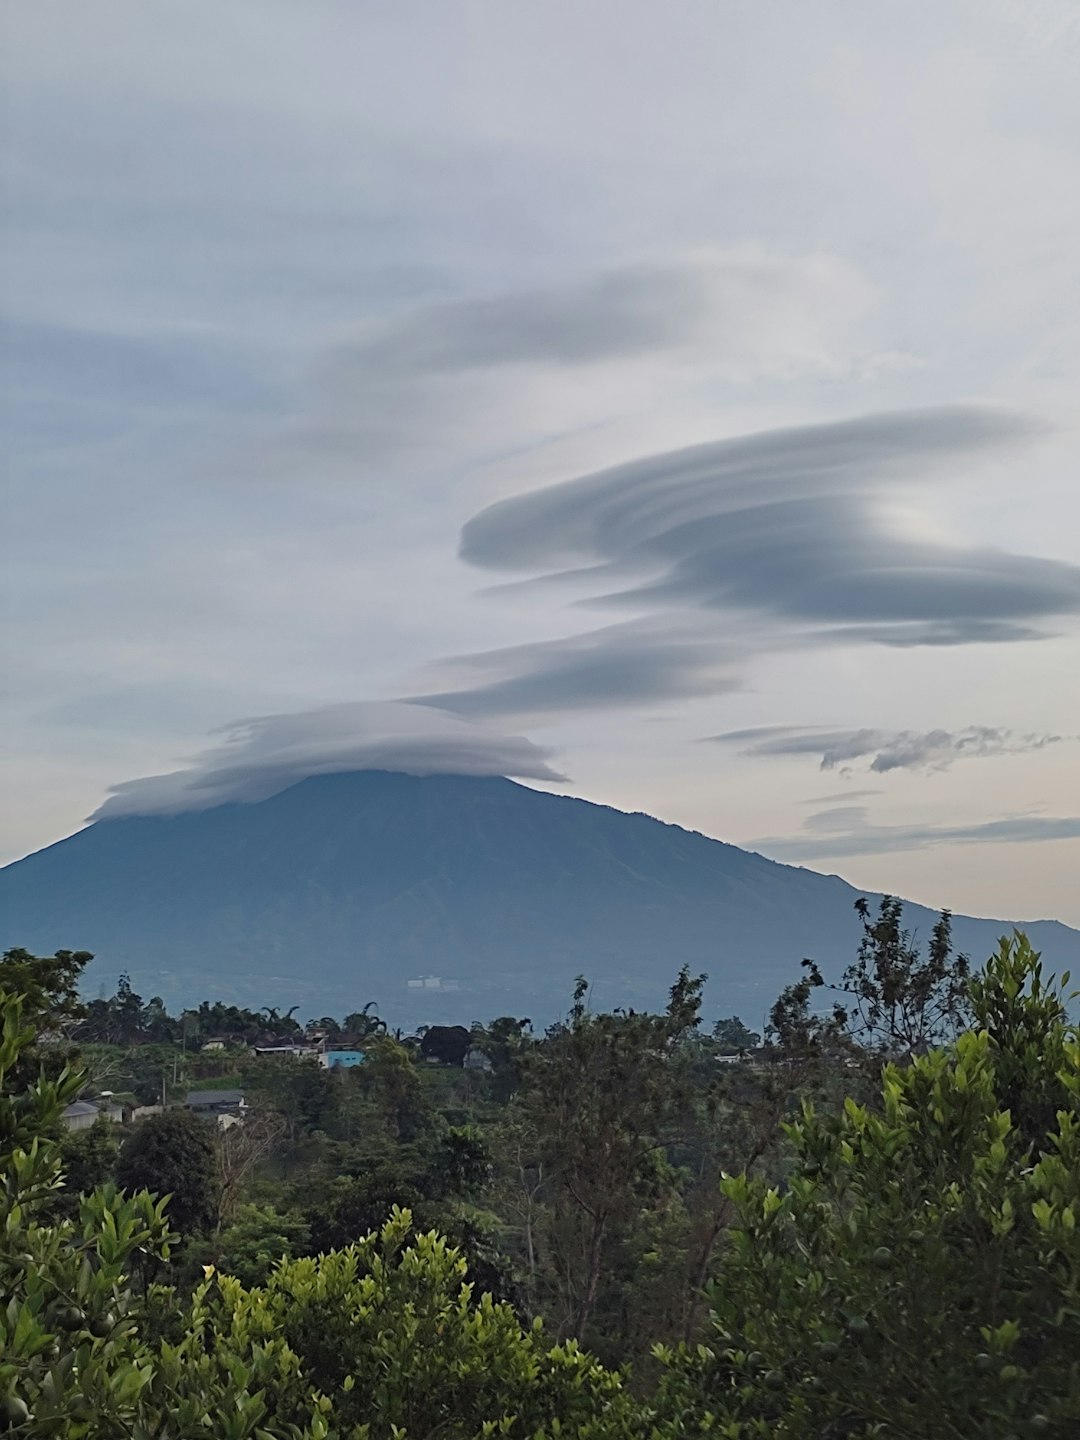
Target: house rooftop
200	1099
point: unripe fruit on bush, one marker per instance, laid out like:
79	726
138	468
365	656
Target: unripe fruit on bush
13	1412
100	1326
883	1257
828	1350
774	1379
70	1318
984	1361
755	1359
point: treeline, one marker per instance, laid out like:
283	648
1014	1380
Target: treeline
863	1225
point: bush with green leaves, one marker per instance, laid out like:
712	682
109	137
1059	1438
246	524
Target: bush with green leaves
918	1275
394	1333
73	1357
381	1341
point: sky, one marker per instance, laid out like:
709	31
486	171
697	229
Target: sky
673	405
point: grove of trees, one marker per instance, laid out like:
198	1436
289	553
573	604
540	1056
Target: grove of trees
865	1226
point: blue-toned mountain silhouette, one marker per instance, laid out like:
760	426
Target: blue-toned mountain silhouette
442	898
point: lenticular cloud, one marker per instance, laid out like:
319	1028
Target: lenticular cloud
262	756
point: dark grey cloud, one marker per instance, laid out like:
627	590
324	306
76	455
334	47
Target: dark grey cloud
885	749
846	831
788	525
631	664
265	755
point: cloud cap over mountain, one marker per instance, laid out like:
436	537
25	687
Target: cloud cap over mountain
267	754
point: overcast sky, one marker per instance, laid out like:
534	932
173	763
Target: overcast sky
672	403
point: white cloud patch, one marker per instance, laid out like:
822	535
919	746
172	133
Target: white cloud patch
263	756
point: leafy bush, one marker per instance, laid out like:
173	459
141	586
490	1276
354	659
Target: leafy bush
919	1274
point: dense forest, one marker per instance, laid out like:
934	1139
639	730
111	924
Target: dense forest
859	1223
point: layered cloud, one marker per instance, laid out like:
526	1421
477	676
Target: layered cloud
833	834
630	664
789	538
884	750
788	524
261	757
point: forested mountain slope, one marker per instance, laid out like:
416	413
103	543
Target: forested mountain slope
345	888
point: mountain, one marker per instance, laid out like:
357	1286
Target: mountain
349	888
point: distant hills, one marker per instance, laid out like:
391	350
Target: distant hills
444	898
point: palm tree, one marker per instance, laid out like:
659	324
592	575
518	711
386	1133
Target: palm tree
363	1022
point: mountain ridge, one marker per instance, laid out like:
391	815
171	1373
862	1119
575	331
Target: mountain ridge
343	888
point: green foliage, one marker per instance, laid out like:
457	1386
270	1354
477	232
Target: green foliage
731	1034
175	1154
88	1159
73	1360
257	1238
602	1097
919	1274
392	1329
48	984
904	1263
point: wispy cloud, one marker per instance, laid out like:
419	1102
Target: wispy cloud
440	380
265	755
833	834
885	750
619	665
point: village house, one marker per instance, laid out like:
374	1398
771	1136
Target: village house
226	1107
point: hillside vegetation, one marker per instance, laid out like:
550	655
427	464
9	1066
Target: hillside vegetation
865	1226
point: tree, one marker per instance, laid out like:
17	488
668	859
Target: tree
89	1160
898	1001
49	985
448	1044
238	1151
255	1240
118	1020
505	1042
362	1023
52	1009
175	1154
602	1094
280	1025
393	1332
918	1276
731	1034
74	1357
